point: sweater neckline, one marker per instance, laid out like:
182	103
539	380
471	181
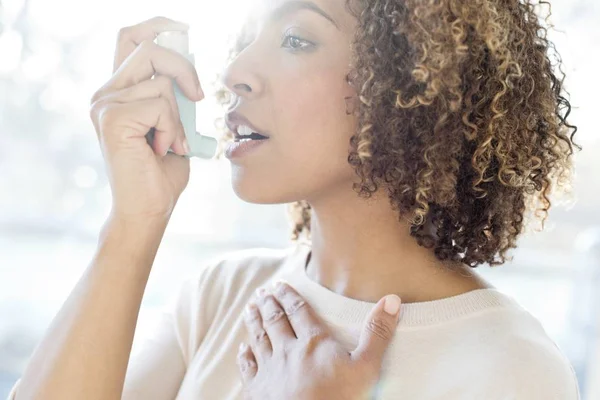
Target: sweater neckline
347	310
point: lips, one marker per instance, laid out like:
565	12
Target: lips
240	126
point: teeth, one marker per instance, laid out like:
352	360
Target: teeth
243	130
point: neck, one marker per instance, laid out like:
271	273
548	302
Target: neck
361	250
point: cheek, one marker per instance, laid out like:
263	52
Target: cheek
309	153
313	117
312	139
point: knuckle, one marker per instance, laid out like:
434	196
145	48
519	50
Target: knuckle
107	116
273	316
242	355
146	45
380	328
165	104
164	83
244	362
313	339
158	19
283	290
290	300
95	108
246	366
173	121
166	110
96	96
252	319
294	306
316	334
124	33
288	349
260	336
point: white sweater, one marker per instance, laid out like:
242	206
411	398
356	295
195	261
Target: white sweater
480	345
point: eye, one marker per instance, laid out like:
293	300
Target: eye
295	43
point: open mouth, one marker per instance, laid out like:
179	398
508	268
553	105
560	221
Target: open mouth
253	136
244	133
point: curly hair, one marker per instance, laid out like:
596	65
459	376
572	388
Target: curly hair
462	120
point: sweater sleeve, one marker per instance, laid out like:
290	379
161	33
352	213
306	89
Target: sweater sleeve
159	362
159	359
156	365
537	370
556	380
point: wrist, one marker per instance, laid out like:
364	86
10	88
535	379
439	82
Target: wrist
132	239
118	215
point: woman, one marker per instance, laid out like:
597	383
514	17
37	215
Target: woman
413	138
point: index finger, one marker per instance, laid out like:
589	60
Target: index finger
130	37
148	60
301	316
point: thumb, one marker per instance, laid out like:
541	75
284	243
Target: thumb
378	330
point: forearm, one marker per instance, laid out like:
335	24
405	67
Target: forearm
85	351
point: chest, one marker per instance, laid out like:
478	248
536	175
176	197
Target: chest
410	370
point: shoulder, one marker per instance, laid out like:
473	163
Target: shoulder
233	275
243	266
219	291
537	364
527	363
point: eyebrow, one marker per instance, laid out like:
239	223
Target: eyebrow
292	6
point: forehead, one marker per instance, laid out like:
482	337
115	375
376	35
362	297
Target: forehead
261	10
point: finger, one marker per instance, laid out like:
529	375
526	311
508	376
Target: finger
378	330
134	120
149	59
159	87
259	340
274	319
132	36
246	363
301	316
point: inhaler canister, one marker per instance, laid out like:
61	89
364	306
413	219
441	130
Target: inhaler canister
200	145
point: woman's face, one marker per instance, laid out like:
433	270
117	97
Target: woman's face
290	83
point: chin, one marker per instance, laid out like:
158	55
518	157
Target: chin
256	190
256	197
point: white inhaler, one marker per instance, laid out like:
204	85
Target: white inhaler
200	146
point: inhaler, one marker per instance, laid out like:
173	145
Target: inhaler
200	145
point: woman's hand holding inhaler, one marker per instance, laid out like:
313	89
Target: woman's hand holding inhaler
71	361
146	179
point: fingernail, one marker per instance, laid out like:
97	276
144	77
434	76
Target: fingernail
249	309
186	146
260	292
200	91
391	304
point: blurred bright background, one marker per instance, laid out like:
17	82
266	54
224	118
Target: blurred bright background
54	195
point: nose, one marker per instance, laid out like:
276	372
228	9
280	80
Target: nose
241	76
